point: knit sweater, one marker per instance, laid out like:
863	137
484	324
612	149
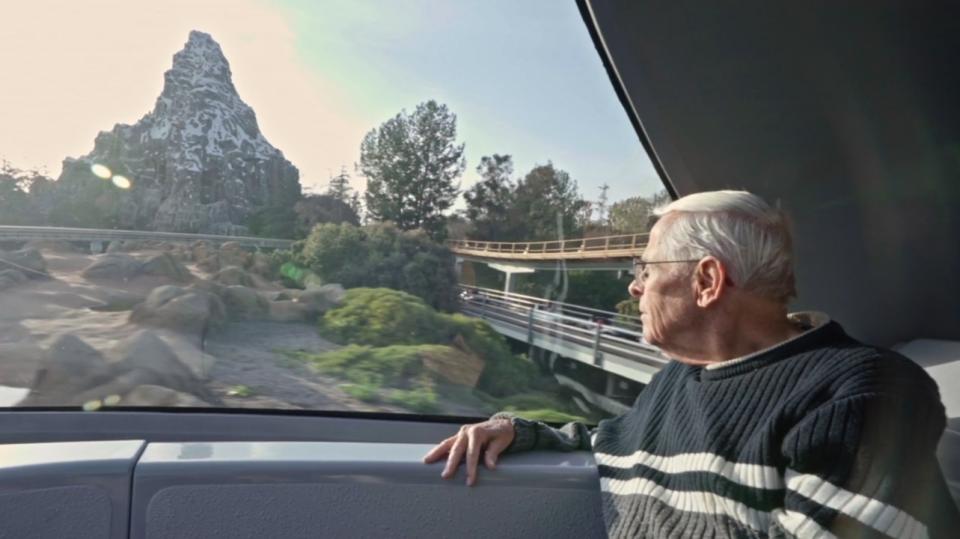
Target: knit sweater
819	436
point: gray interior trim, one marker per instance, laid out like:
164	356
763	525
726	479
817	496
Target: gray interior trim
63	490
238	489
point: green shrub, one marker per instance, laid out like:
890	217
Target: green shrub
422	400
392	366
363	392
382	256
381	317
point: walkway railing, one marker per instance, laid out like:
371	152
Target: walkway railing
607	340
27	233
601	247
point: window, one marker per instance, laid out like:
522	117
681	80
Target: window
409	207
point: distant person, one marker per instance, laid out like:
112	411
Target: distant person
764	424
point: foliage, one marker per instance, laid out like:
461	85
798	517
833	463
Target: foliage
633	215
312	210
389	318
411	163
489	201
629	307
360	364
339	186
546	203
394	374
15	201
273	222
597	289
382	256
382	317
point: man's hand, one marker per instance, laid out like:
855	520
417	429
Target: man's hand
490	437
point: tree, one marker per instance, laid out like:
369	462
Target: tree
382	256
602	216
490	199
339	186
546	205
312	210
17	205
273	222
634	214
411	163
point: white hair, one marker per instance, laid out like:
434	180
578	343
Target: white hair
751	239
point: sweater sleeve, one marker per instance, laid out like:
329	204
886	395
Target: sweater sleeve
533	435
866	466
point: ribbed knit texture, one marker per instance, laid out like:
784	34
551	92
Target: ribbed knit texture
822	435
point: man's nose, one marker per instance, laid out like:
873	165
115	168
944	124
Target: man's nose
635	288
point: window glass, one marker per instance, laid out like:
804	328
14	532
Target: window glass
394	206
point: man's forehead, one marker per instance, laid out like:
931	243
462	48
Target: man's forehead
658	227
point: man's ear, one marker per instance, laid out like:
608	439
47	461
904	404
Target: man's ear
710	281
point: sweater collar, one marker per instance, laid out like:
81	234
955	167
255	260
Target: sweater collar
818	328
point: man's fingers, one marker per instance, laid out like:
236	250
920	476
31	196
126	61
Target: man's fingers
439	451
473	455
456	454
493	452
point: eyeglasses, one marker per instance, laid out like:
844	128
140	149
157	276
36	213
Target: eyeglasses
640	267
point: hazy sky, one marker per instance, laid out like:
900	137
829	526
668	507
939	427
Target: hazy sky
523	78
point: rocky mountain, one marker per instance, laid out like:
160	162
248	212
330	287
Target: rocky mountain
196	163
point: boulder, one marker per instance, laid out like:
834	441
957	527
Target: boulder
72	373
10	278
152	395
190	312
145	358
322	299
453	365
179	251
233	275
165	265
54	246
19	362
290	311
202	249
261	264
113	267
68	364
233	254
28	261
207	286
136	245
115	299
244	303
115	246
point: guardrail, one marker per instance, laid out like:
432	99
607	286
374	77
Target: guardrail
607	340
622	246
27	233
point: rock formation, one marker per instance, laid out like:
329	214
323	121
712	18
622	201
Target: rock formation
196	163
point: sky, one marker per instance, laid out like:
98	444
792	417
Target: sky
523	79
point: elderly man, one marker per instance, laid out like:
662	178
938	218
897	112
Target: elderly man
764	424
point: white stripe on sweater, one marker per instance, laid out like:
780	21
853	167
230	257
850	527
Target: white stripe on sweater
750	475
870	512
883	517
689	501
800	525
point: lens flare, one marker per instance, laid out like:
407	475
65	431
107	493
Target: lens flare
121	181
92	406
101	171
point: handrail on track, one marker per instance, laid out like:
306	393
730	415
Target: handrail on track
618	246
